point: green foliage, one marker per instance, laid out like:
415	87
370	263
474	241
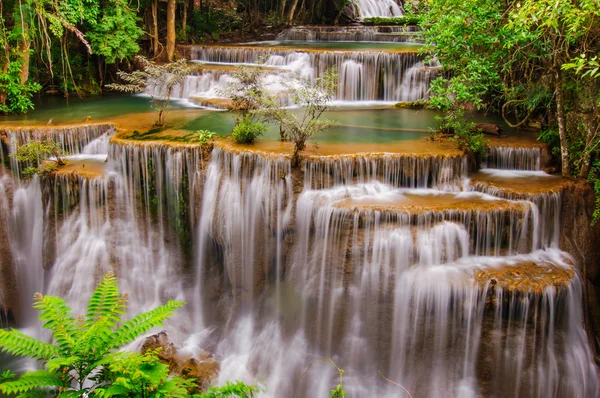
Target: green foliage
589	66
83	347
467	39
463	133
141	375
237	389
405	20
203	137
115	35
210	23
247	130
33	154
18	96
594	179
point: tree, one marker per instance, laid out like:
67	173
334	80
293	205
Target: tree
314	100
33	153
115	34
83	346
171	8
156	79
246	90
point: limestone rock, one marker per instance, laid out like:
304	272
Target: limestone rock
489	129
204	367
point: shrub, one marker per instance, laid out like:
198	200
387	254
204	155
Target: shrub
203	137
246	131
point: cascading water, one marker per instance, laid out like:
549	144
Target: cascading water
366	75
378	8
381	261
397	34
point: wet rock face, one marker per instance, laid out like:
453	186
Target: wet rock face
203	368
581	239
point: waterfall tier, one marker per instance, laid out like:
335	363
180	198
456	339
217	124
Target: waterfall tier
397	34
378	8
421	170
364	75
380	261
515	158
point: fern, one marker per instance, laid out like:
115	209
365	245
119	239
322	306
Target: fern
58	319
141	323
22	345
82	346
31	381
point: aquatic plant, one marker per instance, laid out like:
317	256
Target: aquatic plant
247	130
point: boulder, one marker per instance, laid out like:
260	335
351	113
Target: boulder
204	368
489	129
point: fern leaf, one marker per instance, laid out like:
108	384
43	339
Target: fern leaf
106	301
20	344
56	314
141	323
31	381
34	394
56	364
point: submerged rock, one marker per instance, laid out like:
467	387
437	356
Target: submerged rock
203	368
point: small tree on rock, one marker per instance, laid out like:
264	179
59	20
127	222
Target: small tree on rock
314	100
157	79
33	153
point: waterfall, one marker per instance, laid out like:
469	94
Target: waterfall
366	76
23	214
378	8
378	261
514	158
401	170
245	212
396	34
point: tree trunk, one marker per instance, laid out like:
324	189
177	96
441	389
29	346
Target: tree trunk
282	10
155	28
560	119
24	50
171	7
290	16
184	21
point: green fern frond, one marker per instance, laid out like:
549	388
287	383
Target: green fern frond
106	301
141	323
56	314
56	364
20	344
34	394
32	381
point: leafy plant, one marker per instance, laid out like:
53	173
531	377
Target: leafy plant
83	347
238	389
463	133
203	137
141	375
157	79
247	130
33	153
17	95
